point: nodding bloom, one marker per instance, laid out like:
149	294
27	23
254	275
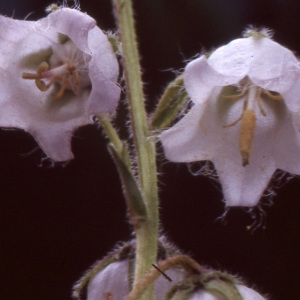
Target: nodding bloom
112	283
112	278
246	108
56	73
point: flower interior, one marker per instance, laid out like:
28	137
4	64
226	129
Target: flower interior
67	67
251	95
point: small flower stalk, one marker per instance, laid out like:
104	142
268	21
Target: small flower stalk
56	73
244	117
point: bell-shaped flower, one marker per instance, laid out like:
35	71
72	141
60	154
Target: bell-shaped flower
113	282
56	73
112	277
244	116
176	276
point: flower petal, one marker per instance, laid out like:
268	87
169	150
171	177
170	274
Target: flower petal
270	60
244	186
103	71
187	141
200	78
292	96
55	141
114	282
288	146
261	59
234	58
103	58
14	30
71	22
249	294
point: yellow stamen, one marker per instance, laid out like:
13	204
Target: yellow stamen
41	85
273	96
258	99
40	69
64	79
62	89
237	96
29	75
77	81
44	66
246	135
247	117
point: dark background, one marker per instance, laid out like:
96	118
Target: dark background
56	221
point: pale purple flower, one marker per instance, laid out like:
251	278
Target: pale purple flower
73	73
113	282
246	105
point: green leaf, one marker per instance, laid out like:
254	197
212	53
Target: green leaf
133	195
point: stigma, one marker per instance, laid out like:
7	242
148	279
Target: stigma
66	68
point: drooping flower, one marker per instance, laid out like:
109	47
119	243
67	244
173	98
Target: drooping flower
56	73
112	277
244	116
180	278
113	283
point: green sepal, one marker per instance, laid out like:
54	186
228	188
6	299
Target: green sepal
183	289
222	285
121	157
121	252
134	199
180	291
114	41
181	295
81	284
169	104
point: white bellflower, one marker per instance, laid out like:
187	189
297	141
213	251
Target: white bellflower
56	73
244	116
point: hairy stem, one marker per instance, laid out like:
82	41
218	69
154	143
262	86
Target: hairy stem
182	261
147	233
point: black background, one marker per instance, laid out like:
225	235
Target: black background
56	221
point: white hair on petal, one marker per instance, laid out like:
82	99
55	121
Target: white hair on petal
55	6
257	32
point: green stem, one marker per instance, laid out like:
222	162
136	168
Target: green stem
147	234
114	138
184	261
